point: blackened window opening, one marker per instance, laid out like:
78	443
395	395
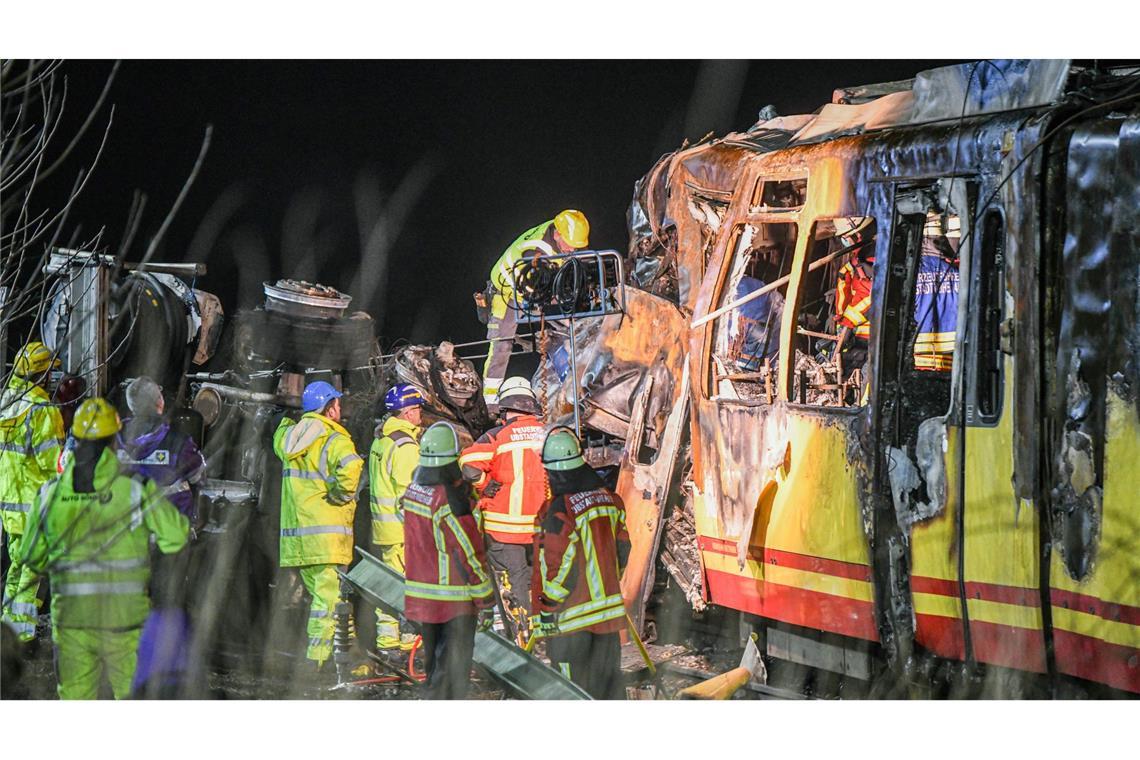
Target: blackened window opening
991	276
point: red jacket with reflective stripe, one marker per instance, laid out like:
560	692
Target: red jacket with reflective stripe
445	567
576	574
510	455
853	293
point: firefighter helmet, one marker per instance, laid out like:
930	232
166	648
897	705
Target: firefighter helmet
439	445
573	228
515	393
401	396
33	359
561	450
95	419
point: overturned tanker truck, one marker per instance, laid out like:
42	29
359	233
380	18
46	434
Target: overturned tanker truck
962	524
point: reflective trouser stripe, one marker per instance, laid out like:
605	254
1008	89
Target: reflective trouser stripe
385	501
323	585
316	529
388	627
9	506
92	588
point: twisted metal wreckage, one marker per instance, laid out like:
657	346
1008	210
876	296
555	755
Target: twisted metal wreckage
881	521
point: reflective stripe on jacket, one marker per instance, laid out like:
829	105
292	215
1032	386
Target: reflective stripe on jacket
510	455
445	564
31	438
95	547
393	458
935	310
171	459
576	572
502	274
853	296
318	491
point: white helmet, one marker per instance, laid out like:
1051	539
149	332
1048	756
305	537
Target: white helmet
515	393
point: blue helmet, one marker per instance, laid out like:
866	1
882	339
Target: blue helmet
317	395
401	396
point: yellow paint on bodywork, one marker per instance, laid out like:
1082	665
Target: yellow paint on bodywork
1115	575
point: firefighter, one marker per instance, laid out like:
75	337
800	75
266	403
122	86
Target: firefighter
31	438
565	233
318	503
84	532
391	462
936	294
577	583
505	466
448	586
853	292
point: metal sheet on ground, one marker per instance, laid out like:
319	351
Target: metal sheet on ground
521	673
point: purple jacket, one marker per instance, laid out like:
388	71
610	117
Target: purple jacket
169	458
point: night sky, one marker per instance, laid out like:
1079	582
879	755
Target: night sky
496	147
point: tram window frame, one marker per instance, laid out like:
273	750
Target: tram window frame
989	361
744	260
823	283
771	189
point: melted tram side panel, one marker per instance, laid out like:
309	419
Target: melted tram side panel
650	334
1095	572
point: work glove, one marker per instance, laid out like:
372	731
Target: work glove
492	488
486	618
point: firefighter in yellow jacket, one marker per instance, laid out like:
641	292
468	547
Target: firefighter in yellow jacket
391	462
318	502
31	437
90	531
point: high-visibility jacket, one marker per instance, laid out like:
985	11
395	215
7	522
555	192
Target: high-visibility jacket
318	491
393	459
95	547
935	311
445	565
853	295
511	456
576	573
31	438
502	274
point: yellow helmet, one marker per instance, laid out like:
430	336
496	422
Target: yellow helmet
33	359
573	228
95	419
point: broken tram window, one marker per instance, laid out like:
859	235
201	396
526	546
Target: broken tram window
747	338
832	326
